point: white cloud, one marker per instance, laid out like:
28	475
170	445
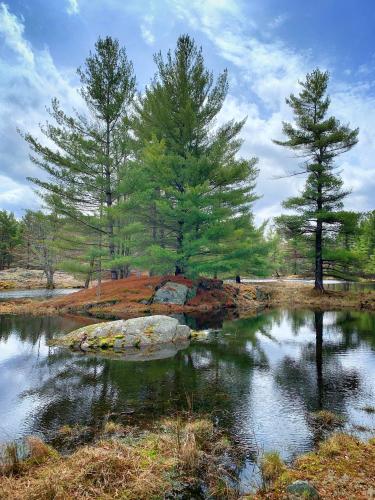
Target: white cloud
146	32
271	71
278	21
11	29
27	85
73	7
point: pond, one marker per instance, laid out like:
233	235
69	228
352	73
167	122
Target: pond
36	293
329	284
261	377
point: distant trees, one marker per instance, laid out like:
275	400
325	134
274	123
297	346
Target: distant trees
9	238
364	243
40	243
318	139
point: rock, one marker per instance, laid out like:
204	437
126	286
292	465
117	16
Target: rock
302	489
261	294
171	293
84	346
210	284
192	292
122	334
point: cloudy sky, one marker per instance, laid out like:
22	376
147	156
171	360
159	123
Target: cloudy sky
267	46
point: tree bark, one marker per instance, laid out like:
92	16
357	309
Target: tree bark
89	274
49	275
180	238
318	257
108	199
319	241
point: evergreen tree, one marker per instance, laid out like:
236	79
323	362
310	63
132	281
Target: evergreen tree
9	238
364	245
318	139
190	188
91	149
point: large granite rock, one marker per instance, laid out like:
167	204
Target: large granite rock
171	293
132	333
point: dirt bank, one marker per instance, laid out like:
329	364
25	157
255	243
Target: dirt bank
133	297
25	279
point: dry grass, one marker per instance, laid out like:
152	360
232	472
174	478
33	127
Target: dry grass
134	468
271	467
301	294
342	468
327	420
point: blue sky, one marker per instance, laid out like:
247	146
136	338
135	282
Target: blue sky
267	46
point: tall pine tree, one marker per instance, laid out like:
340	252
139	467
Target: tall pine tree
318	139
90	149
191	190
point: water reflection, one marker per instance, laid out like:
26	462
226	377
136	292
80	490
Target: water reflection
262	377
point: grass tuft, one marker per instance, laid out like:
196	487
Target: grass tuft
271	467
141	466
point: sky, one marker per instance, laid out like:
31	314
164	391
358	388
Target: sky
266	45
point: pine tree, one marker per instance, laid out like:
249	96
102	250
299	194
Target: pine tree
191	190
318	139
90	149
9	237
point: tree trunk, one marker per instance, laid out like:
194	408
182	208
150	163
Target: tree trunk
319	240
318	257
89	274
178	270
108	200
50	284
180	238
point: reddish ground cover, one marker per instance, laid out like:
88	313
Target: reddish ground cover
132	296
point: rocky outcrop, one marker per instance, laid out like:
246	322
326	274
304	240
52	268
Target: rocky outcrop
121	335
171	293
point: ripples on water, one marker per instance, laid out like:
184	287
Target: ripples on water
261	377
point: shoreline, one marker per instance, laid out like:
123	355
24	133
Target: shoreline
182	455
131	297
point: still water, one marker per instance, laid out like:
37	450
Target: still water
329	284
35	293
261	377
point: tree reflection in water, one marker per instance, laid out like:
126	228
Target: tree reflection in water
261	377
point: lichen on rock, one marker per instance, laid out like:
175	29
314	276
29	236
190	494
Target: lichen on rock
122	335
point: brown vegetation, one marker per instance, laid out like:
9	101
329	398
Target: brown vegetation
176	456
131	297
291	294
342	468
